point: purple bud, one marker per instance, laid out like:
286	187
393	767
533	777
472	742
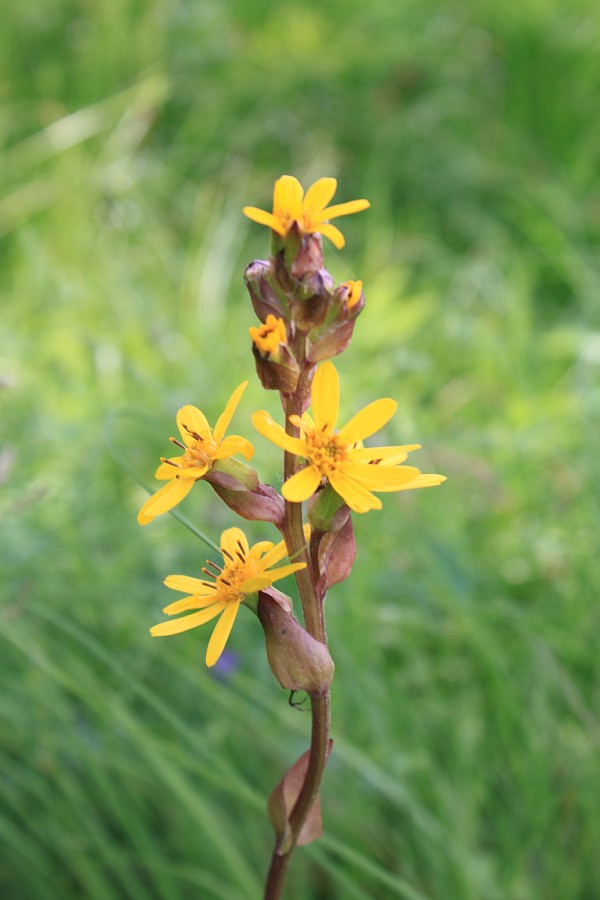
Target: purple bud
266	295
258	503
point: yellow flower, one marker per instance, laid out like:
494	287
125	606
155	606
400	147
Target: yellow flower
269	336
245	570
309	211
354	291
352	470
202	446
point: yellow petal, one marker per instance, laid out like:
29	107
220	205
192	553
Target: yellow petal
256	550
165	472
380	478
325	396
193	602
301	485
334	234
390	456
287	197
274	555
423	481
189	585
318	196
225	417
176	626
280	550
354	495
229	543
193	472
264	218
368	421
344	209
220	634
265	425
195	421
232	445
257	583
143	519
165	499
284	571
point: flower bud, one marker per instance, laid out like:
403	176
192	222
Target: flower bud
322	510
333	534
275	364
306	282
334	334
245	495
265	293
336	552
309	259
297	660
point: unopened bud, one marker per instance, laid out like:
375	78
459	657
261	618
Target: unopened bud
333	534
245	495
298	661
309	259
336	552
306	282
334	334
265	293
323	509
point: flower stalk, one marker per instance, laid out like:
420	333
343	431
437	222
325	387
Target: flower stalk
305	321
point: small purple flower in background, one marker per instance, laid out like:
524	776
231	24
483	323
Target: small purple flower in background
226	665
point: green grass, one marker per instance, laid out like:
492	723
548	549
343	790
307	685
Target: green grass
466	700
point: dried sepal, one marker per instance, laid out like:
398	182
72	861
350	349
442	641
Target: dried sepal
282	801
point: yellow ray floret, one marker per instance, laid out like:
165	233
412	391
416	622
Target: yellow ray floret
245	571
267	338
202	446
337	456
354	289
309	211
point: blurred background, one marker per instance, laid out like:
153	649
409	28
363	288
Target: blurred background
466	699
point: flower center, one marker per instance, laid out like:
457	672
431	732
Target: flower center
326	452
237	570
200	452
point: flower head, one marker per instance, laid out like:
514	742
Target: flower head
308	211
268	337
338	457
202	446
245	571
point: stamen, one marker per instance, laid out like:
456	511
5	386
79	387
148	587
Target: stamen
241	546
209	584
193	434
179	444
209	562
224	581
240	556
227	554
168	462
